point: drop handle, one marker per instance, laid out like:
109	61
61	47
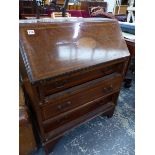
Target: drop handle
62	120
65	105
61	84
108	89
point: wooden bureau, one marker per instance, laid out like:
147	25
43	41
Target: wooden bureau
72	71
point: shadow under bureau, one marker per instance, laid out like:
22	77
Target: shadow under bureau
72	71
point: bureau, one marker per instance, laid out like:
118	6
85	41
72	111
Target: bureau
72	70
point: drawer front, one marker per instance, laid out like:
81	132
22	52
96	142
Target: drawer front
61	120
79	78
87	93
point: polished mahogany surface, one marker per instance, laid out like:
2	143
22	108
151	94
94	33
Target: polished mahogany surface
55	48
72	71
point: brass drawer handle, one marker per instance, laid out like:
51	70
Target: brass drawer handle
63	106
62	120
61	84
108	89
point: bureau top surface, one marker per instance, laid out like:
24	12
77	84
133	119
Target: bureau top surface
50	49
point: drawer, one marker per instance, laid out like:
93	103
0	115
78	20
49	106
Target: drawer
80	112
79	95
79	78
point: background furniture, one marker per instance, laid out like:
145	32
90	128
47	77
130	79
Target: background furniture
127	27
85	11
27	7
85	5
60	2
59	14
33	16
121	9
71	72
131	11
131	14
129	36
131	65
27	143
80	9
32	8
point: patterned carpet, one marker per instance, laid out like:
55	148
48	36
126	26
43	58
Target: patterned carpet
102	135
